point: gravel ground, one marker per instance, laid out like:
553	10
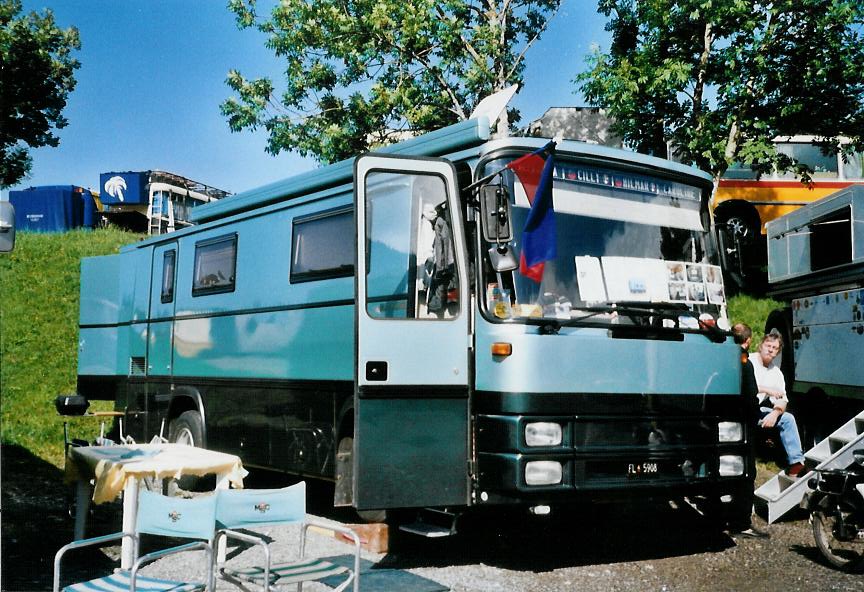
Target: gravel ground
639	547
603	548
648	548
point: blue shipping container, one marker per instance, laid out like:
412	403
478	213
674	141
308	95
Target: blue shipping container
51	208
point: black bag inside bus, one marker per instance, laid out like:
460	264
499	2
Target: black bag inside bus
71	404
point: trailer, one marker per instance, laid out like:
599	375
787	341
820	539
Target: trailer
816	264
369	323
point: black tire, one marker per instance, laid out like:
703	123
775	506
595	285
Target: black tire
815	411
188	428
742	221
848	556
343	494
738	513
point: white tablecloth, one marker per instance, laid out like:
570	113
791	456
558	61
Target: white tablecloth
112	466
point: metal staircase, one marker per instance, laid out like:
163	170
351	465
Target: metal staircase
783	493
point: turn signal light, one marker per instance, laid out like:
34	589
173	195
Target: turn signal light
502	349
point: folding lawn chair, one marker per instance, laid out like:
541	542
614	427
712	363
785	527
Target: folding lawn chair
253	508
160	515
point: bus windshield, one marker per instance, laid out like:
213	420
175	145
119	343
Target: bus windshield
624	240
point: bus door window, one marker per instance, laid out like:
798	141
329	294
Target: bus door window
412	270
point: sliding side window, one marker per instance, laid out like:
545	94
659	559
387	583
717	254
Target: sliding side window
831	240
215	266
322	246
168	265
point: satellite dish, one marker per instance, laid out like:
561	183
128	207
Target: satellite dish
494	105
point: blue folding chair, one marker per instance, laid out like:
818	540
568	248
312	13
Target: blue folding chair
160	515
254	508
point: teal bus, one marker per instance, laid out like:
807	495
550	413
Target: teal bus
367	323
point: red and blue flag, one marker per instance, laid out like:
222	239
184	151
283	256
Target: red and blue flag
538	237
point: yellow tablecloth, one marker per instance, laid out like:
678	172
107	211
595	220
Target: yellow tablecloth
113	465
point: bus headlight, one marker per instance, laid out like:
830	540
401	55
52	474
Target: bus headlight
543	433
731	465
730	431
543	472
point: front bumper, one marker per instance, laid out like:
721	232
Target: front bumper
665	446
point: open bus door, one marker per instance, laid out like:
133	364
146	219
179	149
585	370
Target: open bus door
411	437
160	332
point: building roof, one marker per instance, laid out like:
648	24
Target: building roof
585	124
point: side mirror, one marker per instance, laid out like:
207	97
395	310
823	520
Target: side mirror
859	456
495	214
7	227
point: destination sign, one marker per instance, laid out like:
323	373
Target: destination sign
597	177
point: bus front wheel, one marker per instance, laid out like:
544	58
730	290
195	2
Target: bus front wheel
187	428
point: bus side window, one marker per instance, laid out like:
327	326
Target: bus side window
168	261
322	246
215	265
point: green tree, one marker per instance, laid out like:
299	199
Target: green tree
36	77
720	80
364	73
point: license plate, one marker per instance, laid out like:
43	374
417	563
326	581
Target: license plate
643	469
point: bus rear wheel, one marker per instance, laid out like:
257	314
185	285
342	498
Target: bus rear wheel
343	495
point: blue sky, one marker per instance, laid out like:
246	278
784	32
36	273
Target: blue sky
152	78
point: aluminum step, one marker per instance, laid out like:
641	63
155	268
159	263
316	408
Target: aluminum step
432	523
782	493
430	531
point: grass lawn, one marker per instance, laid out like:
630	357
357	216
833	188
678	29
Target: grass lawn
39	333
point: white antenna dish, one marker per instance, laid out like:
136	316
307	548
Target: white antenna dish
494	105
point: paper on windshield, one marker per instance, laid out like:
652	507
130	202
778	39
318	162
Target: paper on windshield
589	278
636	279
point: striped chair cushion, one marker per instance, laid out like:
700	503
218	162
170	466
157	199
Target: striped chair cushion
288	573
120	582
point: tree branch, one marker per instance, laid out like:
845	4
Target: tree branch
529	43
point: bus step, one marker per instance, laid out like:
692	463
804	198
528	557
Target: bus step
432	523
429	531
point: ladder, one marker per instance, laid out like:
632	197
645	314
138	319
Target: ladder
156	210
783	493
154	214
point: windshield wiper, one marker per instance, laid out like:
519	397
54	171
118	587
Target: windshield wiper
670	310
634	310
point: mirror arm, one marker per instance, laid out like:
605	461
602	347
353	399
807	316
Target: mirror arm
476	184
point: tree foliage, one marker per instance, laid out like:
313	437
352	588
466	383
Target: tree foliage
36	77
363	73
721	80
